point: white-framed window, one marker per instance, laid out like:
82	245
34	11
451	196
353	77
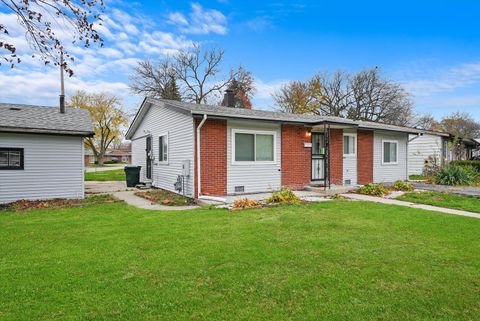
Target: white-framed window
349	144
389	151
253	147
163	149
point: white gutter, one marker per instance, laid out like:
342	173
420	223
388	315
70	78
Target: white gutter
198	155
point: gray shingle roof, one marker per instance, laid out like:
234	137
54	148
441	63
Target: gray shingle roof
43	119
255	114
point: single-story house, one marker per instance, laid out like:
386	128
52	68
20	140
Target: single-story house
203	150
438	147
41	152
119	155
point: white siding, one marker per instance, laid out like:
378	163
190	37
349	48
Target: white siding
257	177
160	120
420	148
350	162
389	172
53	168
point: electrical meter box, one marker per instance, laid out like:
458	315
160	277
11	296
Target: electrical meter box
186	168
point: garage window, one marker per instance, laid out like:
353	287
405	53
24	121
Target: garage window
11	158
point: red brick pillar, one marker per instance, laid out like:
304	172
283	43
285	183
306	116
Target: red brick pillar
365	156
336	156
296	159
213	153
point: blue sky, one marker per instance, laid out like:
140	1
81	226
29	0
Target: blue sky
431	47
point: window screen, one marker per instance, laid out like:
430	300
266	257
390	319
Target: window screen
11	158
390	152
163	148
254	147
349	145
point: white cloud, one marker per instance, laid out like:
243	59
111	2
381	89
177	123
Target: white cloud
440	81
200	21
128	38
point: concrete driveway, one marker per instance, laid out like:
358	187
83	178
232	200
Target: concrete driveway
94	187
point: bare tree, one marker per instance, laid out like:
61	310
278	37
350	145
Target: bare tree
461	125
198	69
378	99
331	94
426	122
154	80
363	96
43	20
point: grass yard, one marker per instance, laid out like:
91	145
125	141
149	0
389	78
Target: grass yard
459	202
113	175
337	260
417	177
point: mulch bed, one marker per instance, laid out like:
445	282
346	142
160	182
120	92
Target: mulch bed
23	205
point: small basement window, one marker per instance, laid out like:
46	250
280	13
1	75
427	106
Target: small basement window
390	151
11	158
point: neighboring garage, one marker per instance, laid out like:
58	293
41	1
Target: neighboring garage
41	152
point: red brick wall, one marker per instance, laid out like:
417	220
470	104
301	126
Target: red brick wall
336	156
213	150
296	159
365	156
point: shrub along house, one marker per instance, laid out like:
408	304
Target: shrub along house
41	152
218	151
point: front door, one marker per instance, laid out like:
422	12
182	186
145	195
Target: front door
148	150
318	157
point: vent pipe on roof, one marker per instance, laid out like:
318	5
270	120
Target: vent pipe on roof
62	87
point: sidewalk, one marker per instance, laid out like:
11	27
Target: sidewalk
382	200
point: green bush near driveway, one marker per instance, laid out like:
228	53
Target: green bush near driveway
457	175
336	260
469	163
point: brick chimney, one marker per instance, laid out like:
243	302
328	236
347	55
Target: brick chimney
229	98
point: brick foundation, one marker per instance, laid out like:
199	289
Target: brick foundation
336	156
296	159
365	156
213	150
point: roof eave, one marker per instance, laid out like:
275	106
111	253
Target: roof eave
43	131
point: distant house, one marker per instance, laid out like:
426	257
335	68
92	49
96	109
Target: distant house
41	152
218	151
438	147
117	155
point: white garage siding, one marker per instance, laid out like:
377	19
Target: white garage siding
419	149
53	168
389	172
161	120
254	177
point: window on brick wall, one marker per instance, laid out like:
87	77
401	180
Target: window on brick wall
250	146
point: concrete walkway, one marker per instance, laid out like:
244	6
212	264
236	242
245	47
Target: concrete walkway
462	190
130	198
382	200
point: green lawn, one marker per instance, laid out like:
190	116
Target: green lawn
460	202
110	175
417	177
337	260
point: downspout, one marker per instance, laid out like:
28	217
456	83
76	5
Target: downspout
198	155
